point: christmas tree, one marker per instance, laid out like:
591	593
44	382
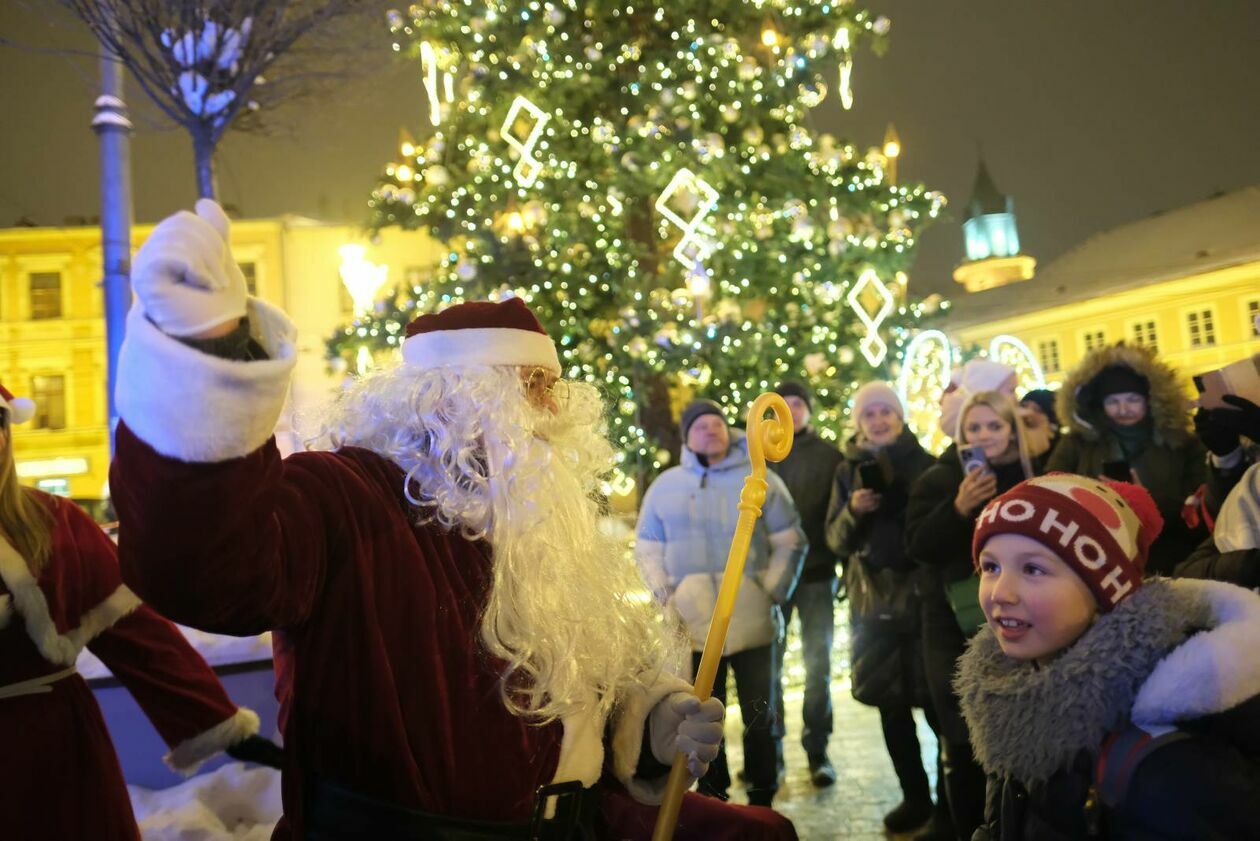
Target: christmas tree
647	179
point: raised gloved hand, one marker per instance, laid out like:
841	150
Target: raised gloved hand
1243	418
682	723
185	275
1219	439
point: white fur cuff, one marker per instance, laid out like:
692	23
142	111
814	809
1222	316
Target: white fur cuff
196	407
627	736
188	755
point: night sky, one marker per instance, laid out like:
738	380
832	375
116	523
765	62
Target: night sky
1090	114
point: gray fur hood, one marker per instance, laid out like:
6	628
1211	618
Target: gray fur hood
1174	651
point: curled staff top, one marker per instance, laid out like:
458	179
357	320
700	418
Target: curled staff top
768	438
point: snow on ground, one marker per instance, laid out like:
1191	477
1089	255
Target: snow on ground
235	802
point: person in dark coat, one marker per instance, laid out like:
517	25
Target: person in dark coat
807	472
866	528
1232	553
1127	413
942	511
1102	704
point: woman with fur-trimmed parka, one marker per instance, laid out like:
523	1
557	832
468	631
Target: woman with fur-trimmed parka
61	591
1102	704
1123	406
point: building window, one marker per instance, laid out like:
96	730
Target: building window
1048	355
1253	314
49	394
1094	339
250	270
1202	327
1143	333
56	487
45	295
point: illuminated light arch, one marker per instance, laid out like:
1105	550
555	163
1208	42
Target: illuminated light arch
1011	351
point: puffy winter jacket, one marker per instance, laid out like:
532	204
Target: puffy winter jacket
1175	654
1172	466
686	524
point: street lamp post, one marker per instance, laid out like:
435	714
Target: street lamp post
892	151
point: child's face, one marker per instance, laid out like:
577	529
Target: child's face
1034	602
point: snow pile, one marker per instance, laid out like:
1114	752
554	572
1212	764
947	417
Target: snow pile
210	61
218	650
236	802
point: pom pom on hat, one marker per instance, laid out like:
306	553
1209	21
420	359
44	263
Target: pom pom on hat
1102	530
20	409
480	333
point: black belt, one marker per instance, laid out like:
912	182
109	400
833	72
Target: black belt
333	813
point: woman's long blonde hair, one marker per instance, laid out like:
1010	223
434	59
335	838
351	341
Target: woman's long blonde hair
24	520
1005	407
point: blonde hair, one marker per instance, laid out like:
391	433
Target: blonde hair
1006	408
24	520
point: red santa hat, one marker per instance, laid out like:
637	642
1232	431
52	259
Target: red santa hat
20	409
1102	530
480	333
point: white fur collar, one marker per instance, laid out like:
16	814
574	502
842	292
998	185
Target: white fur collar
28	600
1212	671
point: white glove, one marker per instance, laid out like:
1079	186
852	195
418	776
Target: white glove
682	723
185	276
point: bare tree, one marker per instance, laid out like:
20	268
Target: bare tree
202	62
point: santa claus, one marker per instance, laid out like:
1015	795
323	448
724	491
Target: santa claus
460	653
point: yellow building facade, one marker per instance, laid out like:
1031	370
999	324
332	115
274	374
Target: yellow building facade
1185	282
52	329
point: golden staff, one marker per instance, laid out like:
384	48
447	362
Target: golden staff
767	439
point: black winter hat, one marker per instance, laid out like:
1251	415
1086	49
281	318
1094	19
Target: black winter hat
696	409
1044	398
1116	379
793	388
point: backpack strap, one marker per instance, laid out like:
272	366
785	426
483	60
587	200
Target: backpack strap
1122	752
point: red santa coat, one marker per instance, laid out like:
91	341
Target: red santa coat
384	687
60	777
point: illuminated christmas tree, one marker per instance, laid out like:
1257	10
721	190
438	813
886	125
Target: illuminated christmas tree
646	178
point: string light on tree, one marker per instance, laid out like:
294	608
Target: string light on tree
1012	351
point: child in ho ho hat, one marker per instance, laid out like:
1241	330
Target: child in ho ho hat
1100	704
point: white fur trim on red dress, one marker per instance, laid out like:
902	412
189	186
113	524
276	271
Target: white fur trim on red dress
187	756
627	736
196	407
28	600
482	346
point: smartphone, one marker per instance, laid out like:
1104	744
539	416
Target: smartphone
872	476
1118	470
973	458
1241	378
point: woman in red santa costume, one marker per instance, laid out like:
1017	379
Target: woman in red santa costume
458	646
61	591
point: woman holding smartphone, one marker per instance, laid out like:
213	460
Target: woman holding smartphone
992	455
1128	419
866	530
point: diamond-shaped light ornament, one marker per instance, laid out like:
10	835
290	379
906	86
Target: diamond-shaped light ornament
528	168
694	246
872	346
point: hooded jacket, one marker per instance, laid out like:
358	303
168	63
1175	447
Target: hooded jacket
686	525
1171	467
1175	654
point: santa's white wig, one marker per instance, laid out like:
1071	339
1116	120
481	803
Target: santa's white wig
567	611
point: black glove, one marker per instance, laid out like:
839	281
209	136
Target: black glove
1219	439
258	750
1243	419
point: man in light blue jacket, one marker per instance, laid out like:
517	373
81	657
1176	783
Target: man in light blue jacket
686	524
